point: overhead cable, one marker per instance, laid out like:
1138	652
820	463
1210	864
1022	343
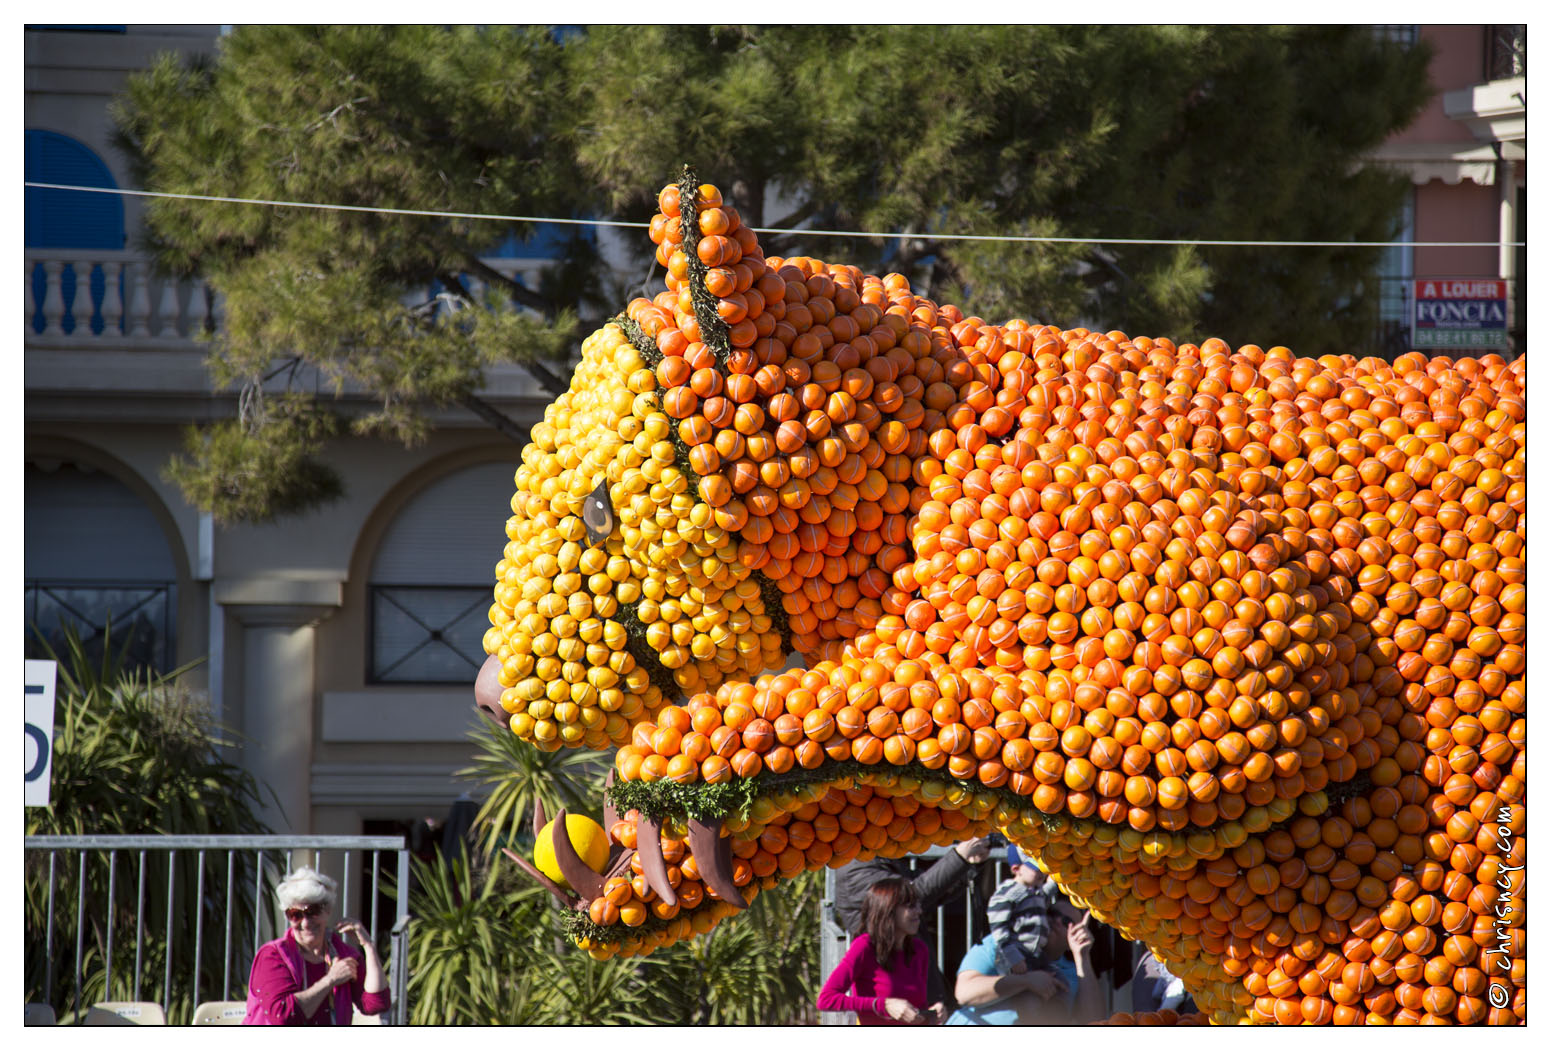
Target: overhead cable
866	234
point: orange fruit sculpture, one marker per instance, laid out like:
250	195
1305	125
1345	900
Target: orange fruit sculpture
1232	641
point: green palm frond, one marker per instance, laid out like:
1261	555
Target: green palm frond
518	774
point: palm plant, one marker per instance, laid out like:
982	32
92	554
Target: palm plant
486	950
134	752
517	775
761	968
486	943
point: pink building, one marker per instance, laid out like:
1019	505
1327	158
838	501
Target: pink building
1465	155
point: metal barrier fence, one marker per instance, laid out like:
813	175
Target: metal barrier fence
243	878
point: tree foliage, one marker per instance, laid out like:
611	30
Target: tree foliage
1180	133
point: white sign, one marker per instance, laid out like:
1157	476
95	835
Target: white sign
39	710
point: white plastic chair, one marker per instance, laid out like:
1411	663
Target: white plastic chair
364	1019
125	1012
220	1012
41	1014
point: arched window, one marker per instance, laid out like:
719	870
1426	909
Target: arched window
67	220
94	554
432	580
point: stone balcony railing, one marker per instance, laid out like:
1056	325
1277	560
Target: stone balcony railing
86	298
103	326
103	298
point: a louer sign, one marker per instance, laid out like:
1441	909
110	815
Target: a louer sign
1459	313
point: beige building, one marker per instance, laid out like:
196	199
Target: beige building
342	644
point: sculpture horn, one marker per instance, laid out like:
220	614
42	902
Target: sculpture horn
488	690
582	879
566	897
648	847
713	855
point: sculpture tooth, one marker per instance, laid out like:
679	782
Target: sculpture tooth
713	854
582	879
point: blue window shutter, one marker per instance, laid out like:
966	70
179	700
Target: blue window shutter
63	218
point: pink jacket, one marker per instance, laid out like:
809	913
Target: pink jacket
279	973
858	970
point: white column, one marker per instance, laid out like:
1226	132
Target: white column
112	301
139	301
167	310
278	696
1507	220
1507	226
53	298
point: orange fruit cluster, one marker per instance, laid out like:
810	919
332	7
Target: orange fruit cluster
1233	641
804	432
807	827
1164	1016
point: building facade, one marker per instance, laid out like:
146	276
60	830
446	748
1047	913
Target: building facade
341	645
1465	156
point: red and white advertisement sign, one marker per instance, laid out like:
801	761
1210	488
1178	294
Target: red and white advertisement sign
1451	313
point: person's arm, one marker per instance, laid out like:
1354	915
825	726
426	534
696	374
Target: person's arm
974	989
836	994
935	884
369	992
283	999
1089	1005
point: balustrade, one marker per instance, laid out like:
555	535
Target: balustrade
110	297
113	297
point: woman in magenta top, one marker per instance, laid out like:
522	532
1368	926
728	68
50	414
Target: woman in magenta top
311	975
883	976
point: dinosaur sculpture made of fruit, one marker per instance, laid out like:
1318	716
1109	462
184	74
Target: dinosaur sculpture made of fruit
1232	641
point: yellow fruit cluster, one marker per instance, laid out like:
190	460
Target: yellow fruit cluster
562	601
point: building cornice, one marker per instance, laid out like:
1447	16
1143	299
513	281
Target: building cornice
1494	111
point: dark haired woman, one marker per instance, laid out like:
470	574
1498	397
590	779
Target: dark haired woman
883	976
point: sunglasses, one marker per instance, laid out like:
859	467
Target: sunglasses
305	912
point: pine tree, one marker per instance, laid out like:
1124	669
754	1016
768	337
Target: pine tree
1159	132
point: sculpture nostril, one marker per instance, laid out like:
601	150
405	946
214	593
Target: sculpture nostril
488	690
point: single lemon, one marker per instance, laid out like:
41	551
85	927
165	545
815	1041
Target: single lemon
587	837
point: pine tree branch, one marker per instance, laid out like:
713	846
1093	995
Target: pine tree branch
516	289
503	423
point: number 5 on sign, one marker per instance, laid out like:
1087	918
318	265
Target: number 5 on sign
39	712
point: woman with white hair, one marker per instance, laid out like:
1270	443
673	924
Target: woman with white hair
311	975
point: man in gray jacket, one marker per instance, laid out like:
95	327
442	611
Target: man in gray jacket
932	887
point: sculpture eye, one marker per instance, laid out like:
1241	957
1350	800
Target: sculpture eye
598	513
